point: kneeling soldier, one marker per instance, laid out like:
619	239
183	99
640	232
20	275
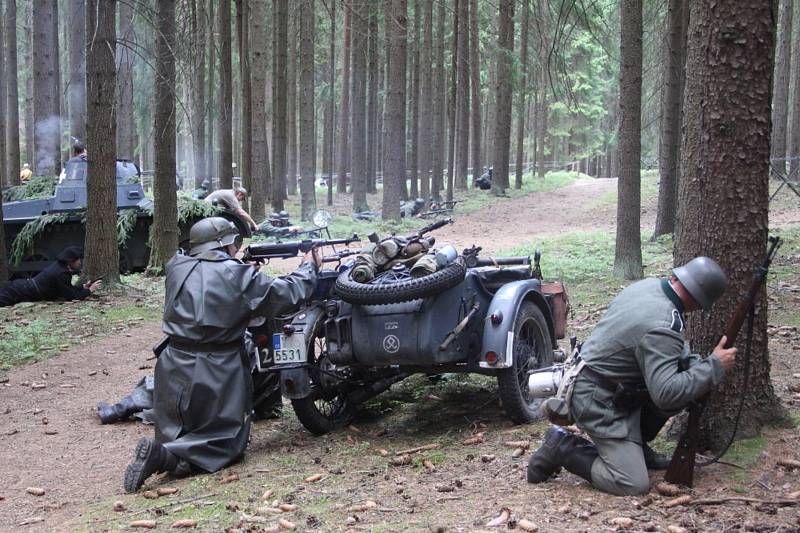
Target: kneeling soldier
203	389
632	381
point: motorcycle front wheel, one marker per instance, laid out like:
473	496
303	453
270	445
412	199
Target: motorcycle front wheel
327	407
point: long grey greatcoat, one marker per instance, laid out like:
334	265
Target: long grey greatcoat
203	389
639	342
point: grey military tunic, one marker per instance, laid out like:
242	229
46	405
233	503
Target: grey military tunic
638	343
203	388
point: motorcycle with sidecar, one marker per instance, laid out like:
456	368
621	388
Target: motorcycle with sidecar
468	313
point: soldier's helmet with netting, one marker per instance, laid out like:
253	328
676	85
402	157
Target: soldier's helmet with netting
704	279
211	233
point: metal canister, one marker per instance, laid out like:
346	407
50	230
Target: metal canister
446	255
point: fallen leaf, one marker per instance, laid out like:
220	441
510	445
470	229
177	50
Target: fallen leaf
518	453
146	524
229	478
527	525
400	461
676	529
185	523
428	465
502	520
166	491
285	524
383	453
667	489
622	522
35	491
477	439
314	478
680	500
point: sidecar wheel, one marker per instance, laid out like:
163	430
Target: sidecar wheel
532	350
327	408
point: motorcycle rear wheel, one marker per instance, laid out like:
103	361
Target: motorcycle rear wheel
532	350
326	408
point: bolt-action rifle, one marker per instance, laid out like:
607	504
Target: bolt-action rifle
681	467
283	250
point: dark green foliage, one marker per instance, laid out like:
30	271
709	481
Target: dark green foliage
37	187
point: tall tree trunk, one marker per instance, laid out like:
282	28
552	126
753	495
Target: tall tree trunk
373	134
102	255
794	140
426	99
12	112
225	107
291	106
198	98
77	70
126	124
5	179
59	104
780	90
360	23
242	18
165	215
259	63
394	172
30	137
451	103
344	112
331	149
502	132
541	124
307	135
523	54
280	40
475	86
628	252
671	113
462	97
413	104
724	193
211	103
47	130
439	108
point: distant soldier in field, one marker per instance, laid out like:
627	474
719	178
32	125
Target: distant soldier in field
25	174
637	372
231	199
52	283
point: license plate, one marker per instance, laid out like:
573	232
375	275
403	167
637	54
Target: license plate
288	349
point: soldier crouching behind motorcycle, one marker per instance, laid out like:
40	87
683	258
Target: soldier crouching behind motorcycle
203	388
630	381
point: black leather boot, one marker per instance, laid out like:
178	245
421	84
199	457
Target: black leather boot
546	461
150	458
562	448
119	411
654	460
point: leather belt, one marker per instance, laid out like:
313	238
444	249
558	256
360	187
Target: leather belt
191	346
611	386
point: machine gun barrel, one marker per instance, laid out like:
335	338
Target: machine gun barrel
436	225
283	250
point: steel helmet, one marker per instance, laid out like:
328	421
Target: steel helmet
210	234
704	279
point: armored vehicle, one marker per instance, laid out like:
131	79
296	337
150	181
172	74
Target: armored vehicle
58	221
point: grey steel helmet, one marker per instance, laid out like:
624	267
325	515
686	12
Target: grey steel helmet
211	233
704	279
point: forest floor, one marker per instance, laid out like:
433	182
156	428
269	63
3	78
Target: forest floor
57	360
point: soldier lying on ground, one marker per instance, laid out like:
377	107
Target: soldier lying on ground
637	345
52	283
203	389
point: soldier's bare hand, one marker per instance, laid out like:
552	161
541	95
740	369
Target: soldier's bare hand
313	256
726	356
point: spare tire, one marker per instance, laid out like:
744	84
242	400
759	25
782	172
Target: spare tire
401	291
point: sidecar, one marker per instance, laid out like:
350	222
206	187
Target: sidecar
491	316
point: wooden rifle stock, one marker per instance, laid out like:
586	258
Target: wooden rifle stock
681	467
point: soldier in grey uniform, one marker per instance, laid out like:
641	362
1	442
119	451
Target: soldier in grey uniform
203	388
638	372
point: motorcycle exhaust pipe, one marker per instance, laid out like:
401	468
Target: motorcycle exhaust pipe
362	395
543	383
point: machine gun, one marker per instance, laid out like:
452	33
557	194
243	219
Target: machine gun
681	467
282	250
